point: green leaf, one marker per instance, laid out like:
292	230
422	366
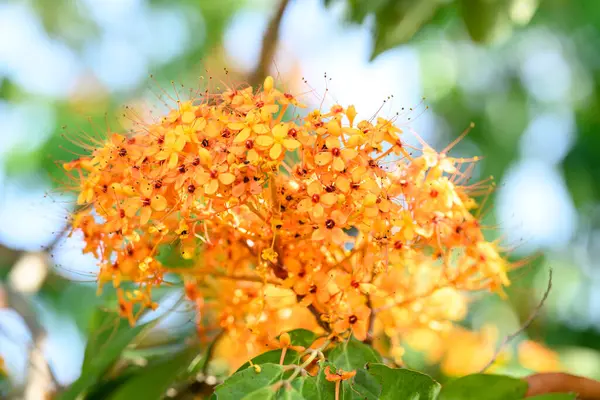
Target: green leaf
362	386
200	362
110	336
353	354
397	23
302	337
153	381
298	337
105	327
483	18
273	356
484	387
245	384
403	383
170	256
317	387
554	396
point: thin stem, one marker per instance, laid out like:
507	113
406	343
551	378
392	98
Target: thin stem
528	322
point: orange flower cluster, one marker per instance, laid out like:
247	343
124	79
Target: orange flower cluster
318	221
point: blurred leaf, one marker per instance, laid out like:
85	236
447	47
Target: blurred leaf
169	255
61	18
110	335
554	396
153	381
200	362
352	354
484	387
403	383
483	17
249	384
397	23
5	384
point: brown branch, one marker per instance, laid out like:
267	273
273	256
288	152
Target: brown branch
372	317
556	382
269	45
526	325
40	379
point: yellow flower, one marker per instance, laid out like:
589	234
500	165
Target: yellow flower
269	255
278	140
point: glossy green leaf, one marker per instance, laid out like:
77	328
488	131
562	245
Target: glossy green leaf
317	387
400	383
352	354
299	337
153	381
484	387
273	356
361	386
246	383
302	337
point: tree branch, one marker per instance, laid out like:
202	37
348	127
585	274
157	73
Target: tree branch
528	322
269	45
556	382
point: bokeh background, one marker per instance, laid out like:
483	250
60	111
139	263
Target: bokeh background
527	72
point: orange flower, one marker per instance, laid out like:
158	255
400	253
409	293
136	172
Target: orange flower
278	141
330	228
174	142
356	319
334	154
318	199
299	222
339	375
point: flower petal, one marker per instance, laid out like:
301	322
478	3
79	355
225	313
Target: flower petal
145	188
275	151
264	141
173	158
291	144
329	199
236	126
332	142
188	117
314	187
342	183
323	158
280	130
238	190
211	187
261	129
338	164
145	215
158	202
226	178
349	154
242	136
318	234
